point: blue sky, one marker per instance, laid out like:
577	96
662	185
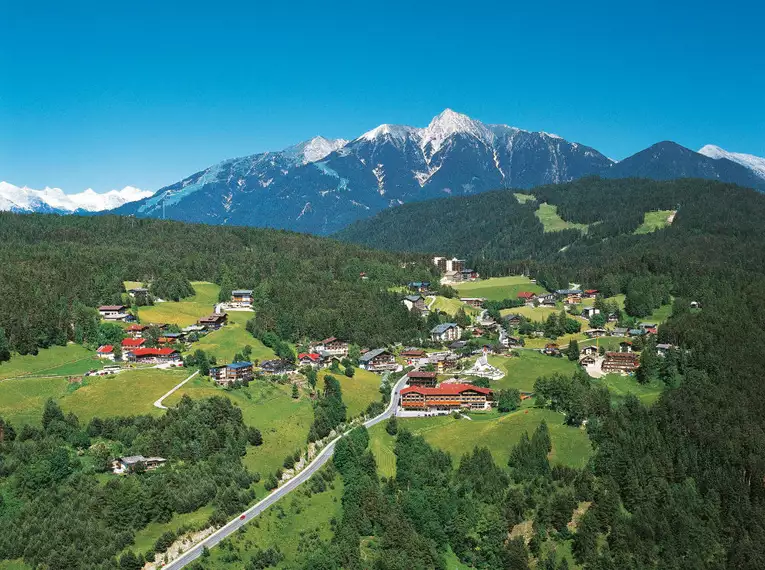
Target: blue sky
106	94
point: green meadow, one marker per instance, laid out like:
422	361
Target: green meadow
522	371
552	222
620	386
653	221
232	338
523	198
71	359
498	288
185	312
359	391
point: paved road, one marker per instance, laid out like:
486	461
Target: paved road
325	454
160	405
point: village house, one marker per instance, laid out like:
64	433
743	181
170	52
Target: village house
551	349
227	374
445	332
636	332
562	293
138	293
451	277
130	343
113	312
625	346
421	378
135	330
589	351
590	293
595	333
242	298
378	360
191	329
662	349
469	275
573	299
589	312
443	361
170	338
106	352
277	366
587	360
153	355
419	286
526	296
546	299
312	359
446	397
413	356
124	465
416	304
623	362
613	317
513	320
457	345
332	347
476	302
213	322
446	265
619	331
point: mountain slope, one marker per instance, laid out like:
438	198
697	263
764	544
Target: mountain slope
754	163
53	200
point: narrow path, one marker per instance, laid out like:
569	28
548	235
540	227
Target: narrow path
195	551
158	403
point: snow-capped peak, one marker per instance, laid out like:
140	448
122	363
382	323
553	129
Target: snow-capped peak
29	200
314	149
754	163
449	123
397	132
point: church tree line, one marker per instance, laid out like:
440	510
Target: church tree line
54	268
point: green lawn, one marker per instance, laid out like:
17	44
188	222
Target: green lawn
523	198
145	538
620	386
282	525
532	313
57	360
498	288
497	432
14	565
232	338
186	312
653	221
359	391
659	315
451	306
132	285
552	222
521	372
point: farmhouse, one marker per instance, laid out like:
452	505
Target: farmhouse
129	343
113	312
551	349
333	347
595	333
589	351
129	464
106	352
446	397
241	298
623	362
421	378
526	296
378	360
469	275
277	366
153	355
445	332
213	322
419	286
312	359
476	302
589	312
513	320
413	356
587	361
573	299
138	293
547	299
457	345
591	293
620	331
568	292
135	330
227	374
416	304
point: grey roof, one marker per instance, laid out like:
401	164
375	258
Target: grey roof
369	355
242	292
413	298
620	330
665	346
442	328
133	459
569	292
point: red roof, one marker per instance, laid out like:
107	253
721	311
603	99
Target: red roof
591	291
413	352
421	374
105	349
132	328
312	355
111	307
153	351
446	390
525	295
133	342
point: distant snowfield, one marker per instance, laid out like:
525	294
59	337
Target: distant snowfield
23	199
755	163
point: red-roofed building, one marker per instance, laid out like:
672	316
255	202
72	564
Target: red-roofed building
136	330
106	351
590	293
421	378
128	343
526	295
154	355
333	347
414	356
309	359
446	397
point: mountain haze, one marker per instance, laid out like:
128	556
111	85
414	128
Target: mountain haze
55	201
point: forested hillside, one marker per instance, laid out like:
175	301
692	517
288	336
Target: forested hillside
54	269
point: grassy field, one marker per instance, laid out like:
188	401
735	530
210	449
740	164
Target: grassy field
14	565
497	432
498	288
523	198
232	338
283	421
532	313
561	341
521	372
282	524
659	315
653	221
186	312
620	386
145	538
451	306
133	392
359	391
552	222
71	359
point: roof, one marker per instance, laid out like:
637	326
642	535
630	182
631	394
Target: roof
214	318
665	346
133	459
446	390
569	292
133	342
329	340
412	298
240	365
421	374
620	330
314	356
136	327
242	292
153	351
111	307
369	355
636	331
419	284
622	356
465	299
591	291
138	290
442	328
525	295
105	349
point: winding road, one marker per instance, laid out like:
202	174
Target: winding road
324	455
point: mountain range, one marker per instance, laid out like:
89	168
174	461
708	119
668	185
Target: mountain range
55	201
322	185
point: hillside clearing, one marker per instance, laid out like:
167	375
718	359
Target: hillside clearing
185	312
232	338
522	371
498	288
552	222
71	359
656	220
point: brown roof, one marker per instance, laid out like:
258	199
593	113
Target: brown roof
421	374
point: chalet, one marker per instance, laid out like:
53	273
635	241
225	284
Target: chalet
662	349
573	299
513	342
312	359
625	346
589	312
613	317
547	299
620	331
589	351
213	322
138	293
277	366
413	356
419	286
421	378
476	302
513	320
551	349
445	332
227	374
451	277
135	330
241	298
153	355
446	397
171	338
130	343
378	360
624	362
526	296
130	464
591	293
106	352
416	304
457	345
561	293
595	333
469	275
333	347
113	312
587	360
444	361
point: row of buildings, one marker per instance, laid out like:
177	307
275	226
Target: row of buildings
423	393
